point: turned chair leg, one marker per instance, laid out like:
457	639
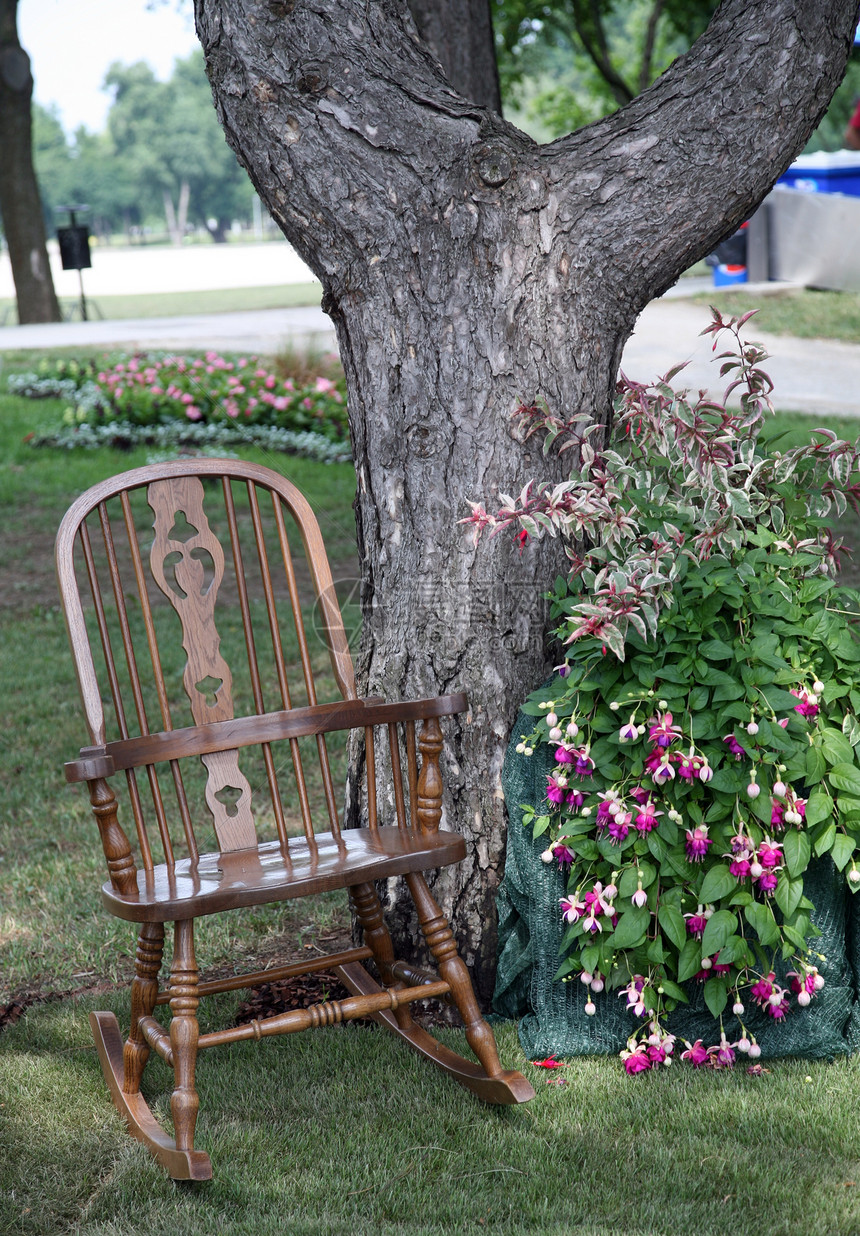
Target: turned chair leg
184	1033
144	991
452	968
365	902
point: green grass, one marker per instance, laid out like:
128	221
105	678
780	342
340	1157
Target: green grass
172	304
342	1131
345	1131
801	312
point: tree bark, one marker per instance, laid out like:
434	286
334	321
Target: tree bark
468	270
20	204
460	35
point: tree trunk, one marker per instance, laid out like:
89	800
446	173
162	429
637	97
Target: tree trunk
460	35
468	270
20	204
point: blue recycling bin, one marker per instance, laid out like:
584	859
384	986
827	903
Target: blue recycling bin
825	172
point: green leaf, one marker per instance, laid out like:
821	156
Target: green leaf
630	877
672	922
716	650
718	883
719	927
815	765
788	894
824	843
797	850
843	849
845	777
673	991
819	807
716	995
851	728
589	957
632	926
836	747
690	960
735	949
760	918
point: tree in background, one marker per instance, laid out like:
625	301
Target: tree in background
468	270
573	61
20	207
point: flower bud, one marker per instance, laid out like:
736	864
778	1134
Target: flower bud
520	748
803	998
755	870
818	686
744	1044
662	704
610	891
819	982
639	898
854	877
753	790
752	728
547	856
775	998
561	780
755	1051
615	705
572	729
597	984
738	1009
707	962
590	1008
586	978
779	789
551	719
555	734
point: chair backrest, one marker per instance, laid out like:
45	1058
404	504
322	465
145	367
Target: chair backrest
188	615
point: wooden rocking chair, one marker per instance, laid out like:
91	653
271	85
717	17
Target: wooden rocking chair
182	723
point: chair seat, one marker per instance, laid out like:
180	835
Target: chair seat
223	881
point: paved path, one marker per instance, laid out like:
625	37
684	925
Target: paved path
815	376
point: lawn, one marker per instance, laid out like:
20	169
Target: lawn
802	312
343	1131
172	304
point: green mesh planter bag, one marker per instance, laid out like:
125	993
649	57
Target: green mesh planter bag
551	1012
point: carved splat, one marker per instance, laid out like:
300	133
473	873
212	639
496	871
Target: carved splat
187	564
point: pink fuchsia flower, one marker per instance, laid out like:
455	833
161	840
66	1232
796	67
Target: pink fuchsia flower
769	855
762	990
656	1053
697	843
639	898
619	826
549	1063
563	853
767	882
571	909
633	992
662	731
193	413
688	766
740	866
663	772
778	1009
706	773
584	766
575	798
808	706
562	755
636	1061
696	1054
647	818
722	1056
734	746
639	795
629	732
777	814
696	923
554	791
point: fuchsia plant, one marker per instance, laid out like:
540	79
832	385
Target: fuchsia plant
704	725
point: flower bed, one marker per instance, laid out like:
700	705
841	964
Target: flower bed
168	399
702	734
